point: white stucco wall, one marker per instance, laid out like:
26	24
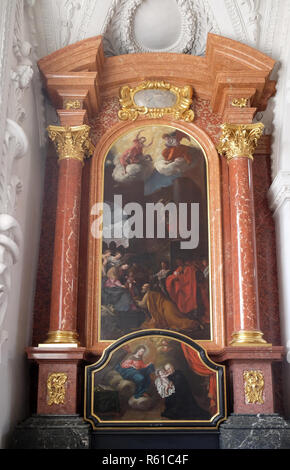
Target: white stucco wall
21	190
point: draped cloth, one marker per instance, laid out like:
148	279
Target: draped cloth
199	368
165	314
136	370
182	288
170	154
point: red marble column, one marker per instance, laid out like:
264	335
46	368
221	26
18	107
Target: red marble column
71	144
238	142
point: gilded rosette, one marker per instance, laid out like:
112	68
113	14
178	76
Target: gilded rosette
239	140
71	142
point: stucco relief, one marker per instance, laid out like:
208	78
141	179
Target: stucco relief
15	147
191	26
18	55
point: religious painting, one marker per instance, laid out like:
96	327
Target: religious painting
156	379
154	235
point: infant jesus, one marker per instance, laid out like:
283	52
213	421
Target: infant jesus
164	386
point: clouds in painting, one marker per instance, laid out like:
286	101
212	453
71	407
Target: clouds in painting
177	168
133	172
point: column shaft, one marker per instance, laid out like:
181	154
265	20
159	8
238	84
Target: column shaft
238	142
71	144
66	249
244	258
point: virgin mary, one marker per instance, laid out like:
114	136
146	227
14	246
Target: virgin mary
134	368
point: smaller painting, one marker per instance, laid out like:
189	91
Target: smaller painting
153	379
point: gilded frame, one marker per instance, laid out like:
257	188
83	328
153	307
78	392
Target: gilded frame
130	111
217	340
155	425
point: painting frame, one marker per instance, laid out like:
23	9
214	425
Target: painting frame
214	216
155	425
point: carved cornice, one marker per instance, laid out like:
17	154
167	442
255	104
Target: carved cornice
239	140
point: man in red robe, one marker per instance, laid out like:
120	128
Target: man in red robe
174	149
182	287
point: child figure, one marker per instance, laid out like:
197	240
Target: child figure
131	285
113	280
164	386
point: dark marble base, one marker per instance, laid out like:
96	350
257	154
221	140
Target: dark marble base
255	432
52	432
155	440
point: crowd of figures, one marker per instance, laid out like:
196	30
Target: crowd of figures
134	296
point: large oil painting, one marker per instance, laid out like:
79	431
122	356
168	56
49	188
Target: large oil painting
155	257
154	378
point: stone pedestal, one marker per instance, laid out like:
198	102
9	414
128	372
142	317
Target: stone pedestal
59	380
242	431
52	432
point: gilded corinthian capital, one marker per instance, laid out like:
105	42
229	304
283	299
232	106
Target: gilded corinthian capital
239	140
71	142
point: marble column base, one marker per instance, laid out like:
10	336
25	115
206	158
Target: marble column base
242	431
52	432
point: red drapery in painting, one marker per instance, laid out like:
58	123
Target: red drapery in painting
181	287
199	368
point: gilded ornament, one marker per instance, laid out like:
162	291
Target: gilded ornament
71	142
248	338
72	104
240	102
59	336
254	384
130	111
56	390
239	140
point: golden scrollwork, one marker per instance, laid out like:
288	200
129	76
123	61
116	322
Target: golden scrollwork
180	110
254	384
240	102
56	390
239	140
72	104
71	142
